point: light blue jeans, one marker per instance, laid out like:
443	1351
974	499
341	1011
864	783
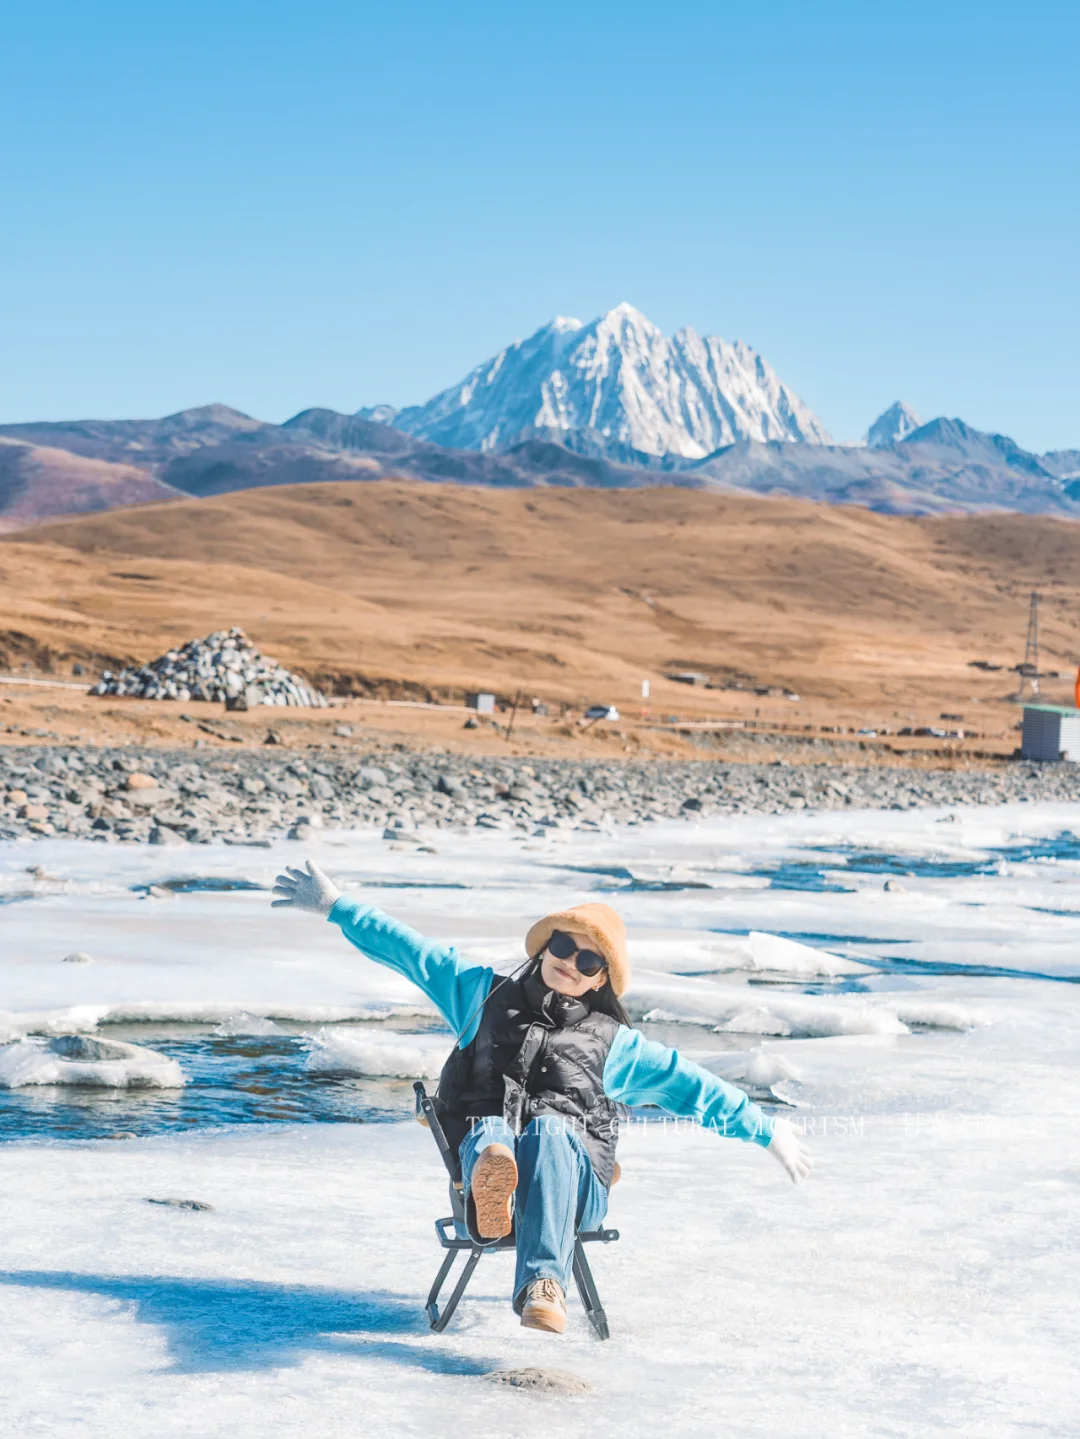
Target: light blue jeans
557	1194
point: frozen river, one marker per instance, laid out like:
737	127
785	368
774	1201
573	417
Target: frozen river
902	984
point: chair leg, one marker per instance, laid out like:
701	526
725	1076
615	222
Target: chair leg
439	1320
440	1279
586	1287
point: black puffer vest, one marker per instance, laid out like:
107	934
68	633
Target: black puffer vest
536	1052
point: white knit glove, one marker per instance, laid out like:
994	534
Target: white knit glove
307	889
788	1149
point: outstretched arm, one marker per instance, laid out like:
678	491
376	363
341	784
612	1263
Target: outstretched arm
640	1071
457	990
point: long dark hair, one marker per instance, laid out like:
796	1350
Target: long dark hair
604	999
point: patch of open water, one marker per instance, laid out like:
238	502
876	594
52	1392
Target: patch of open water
851	947
824	874
811	874
231	1079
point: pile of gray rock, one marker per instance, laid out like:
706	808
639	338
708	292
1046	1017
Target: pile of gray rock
225	667
253	797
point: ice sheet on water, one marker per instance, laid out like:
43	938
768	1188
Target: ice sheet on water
389	1056
689	954
246	1024
731	1009
89	1017
215	953
738	1009
763	1073
678	877
934	1014
74	1059
787	956
808	1019
68	1020
760	1067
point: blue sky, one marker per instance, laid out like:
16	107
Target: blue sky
278	205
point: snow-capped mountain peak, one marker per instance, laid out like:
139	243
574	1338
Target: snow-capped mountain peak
381	414
617	386
892	426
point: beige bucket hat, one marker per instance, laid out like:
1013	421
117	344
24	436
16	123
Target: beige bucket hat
603	926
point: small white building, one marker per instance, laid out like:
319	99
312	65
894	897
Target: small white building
1051	732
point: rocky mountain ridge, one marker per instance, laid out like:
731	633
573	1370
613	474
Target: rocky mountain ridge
50	469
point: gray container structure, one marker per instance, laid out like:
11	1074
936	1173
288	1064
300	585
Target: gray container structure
1051	732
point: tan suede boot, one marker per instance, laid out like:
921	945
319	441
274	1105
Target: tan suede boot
545	1307
494	1179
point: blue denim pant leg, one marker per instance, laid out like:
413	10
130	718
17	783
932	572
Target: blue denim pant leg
557	1194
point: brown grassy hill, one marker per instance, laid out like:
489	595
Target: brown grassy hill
37	482
567	594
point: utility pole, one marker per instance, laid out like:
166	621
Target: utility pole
1029	670
513	716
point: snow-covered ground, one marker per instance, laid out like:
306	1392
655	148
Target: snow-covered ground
923	1281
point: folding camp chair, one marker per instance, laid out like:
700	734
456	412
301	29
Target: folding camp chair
453	1235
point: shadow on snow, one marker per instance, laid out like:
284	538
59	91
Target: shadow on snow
213	1325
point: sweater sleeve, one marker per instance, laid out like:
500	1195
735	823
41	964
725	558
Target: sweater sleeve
640	1071
457	990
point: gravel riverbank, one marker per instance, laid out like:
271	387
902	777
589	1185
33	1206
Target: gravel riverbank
167	798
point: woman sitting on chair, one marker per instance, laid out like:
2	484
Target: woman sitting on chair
528	1095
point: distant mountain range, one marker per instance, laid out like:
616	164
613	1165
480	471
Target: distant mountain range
77	467
606	404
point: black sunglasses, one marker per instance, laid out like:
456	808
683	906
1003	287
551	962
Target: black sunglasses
587	961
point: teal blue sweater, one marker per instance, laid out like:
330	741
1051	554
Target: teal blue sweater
637	1071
